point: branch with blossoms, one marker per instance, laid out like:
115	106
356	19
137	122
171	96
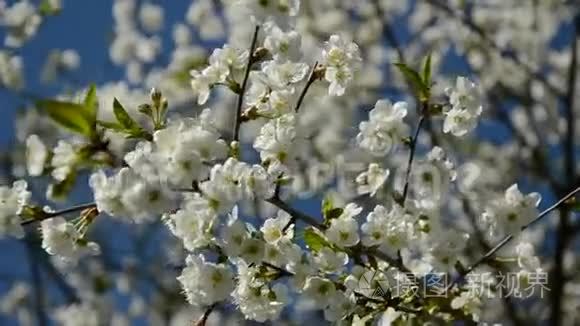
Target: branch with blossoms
387	241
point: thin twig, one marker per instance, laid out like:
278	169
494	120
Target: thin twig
65	211
389	32
38	288
502	52
563	235
570	102
411	157
238	118
510	237
205	316
299	216
295	214
311	80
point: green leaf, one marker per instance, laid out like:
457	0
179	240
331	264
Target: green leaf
327	204
71	116
427	71
111	125
333	213
314	240
414	81
47	9
123	117
573	204
91	102
59	191
146	110
182	77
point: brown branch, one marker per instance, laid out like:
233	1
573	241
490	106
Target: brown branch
311	79
412	150
563	233
502	52
65	211
510	237
203	320
238	117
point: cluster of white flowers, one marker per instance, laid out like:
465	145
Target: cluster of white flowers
341	59
433	177
205	283
466	107
293	139
126	194
384	129
202	14
372	180
78	314
224	63
130	46
21	21
60	61
343	230
63	240
180	153
273	92
256	300
508	214
280	143
11	75
12	202
391	230
262	11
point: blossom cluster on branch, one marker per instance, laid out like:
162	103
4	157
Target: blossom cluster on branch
306	103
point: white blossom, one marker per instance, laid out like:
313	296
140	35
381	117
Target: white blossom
151	17
384	129
466	107
36	155
276	10
11	71
509	214
274	230
253	250
205	283
343	231
234	234
392	229
63	160
12	202
256	300
341	58
330	261
320	290
340	306
282	44
279	140
62	239
178	153
21	21
78	314
127	195
370	181
192	223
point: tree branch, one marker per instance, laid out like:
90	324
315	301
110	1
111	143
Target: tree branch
510	237
311	80
203	320
65	211
502	52
238	118
563	233
412	149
